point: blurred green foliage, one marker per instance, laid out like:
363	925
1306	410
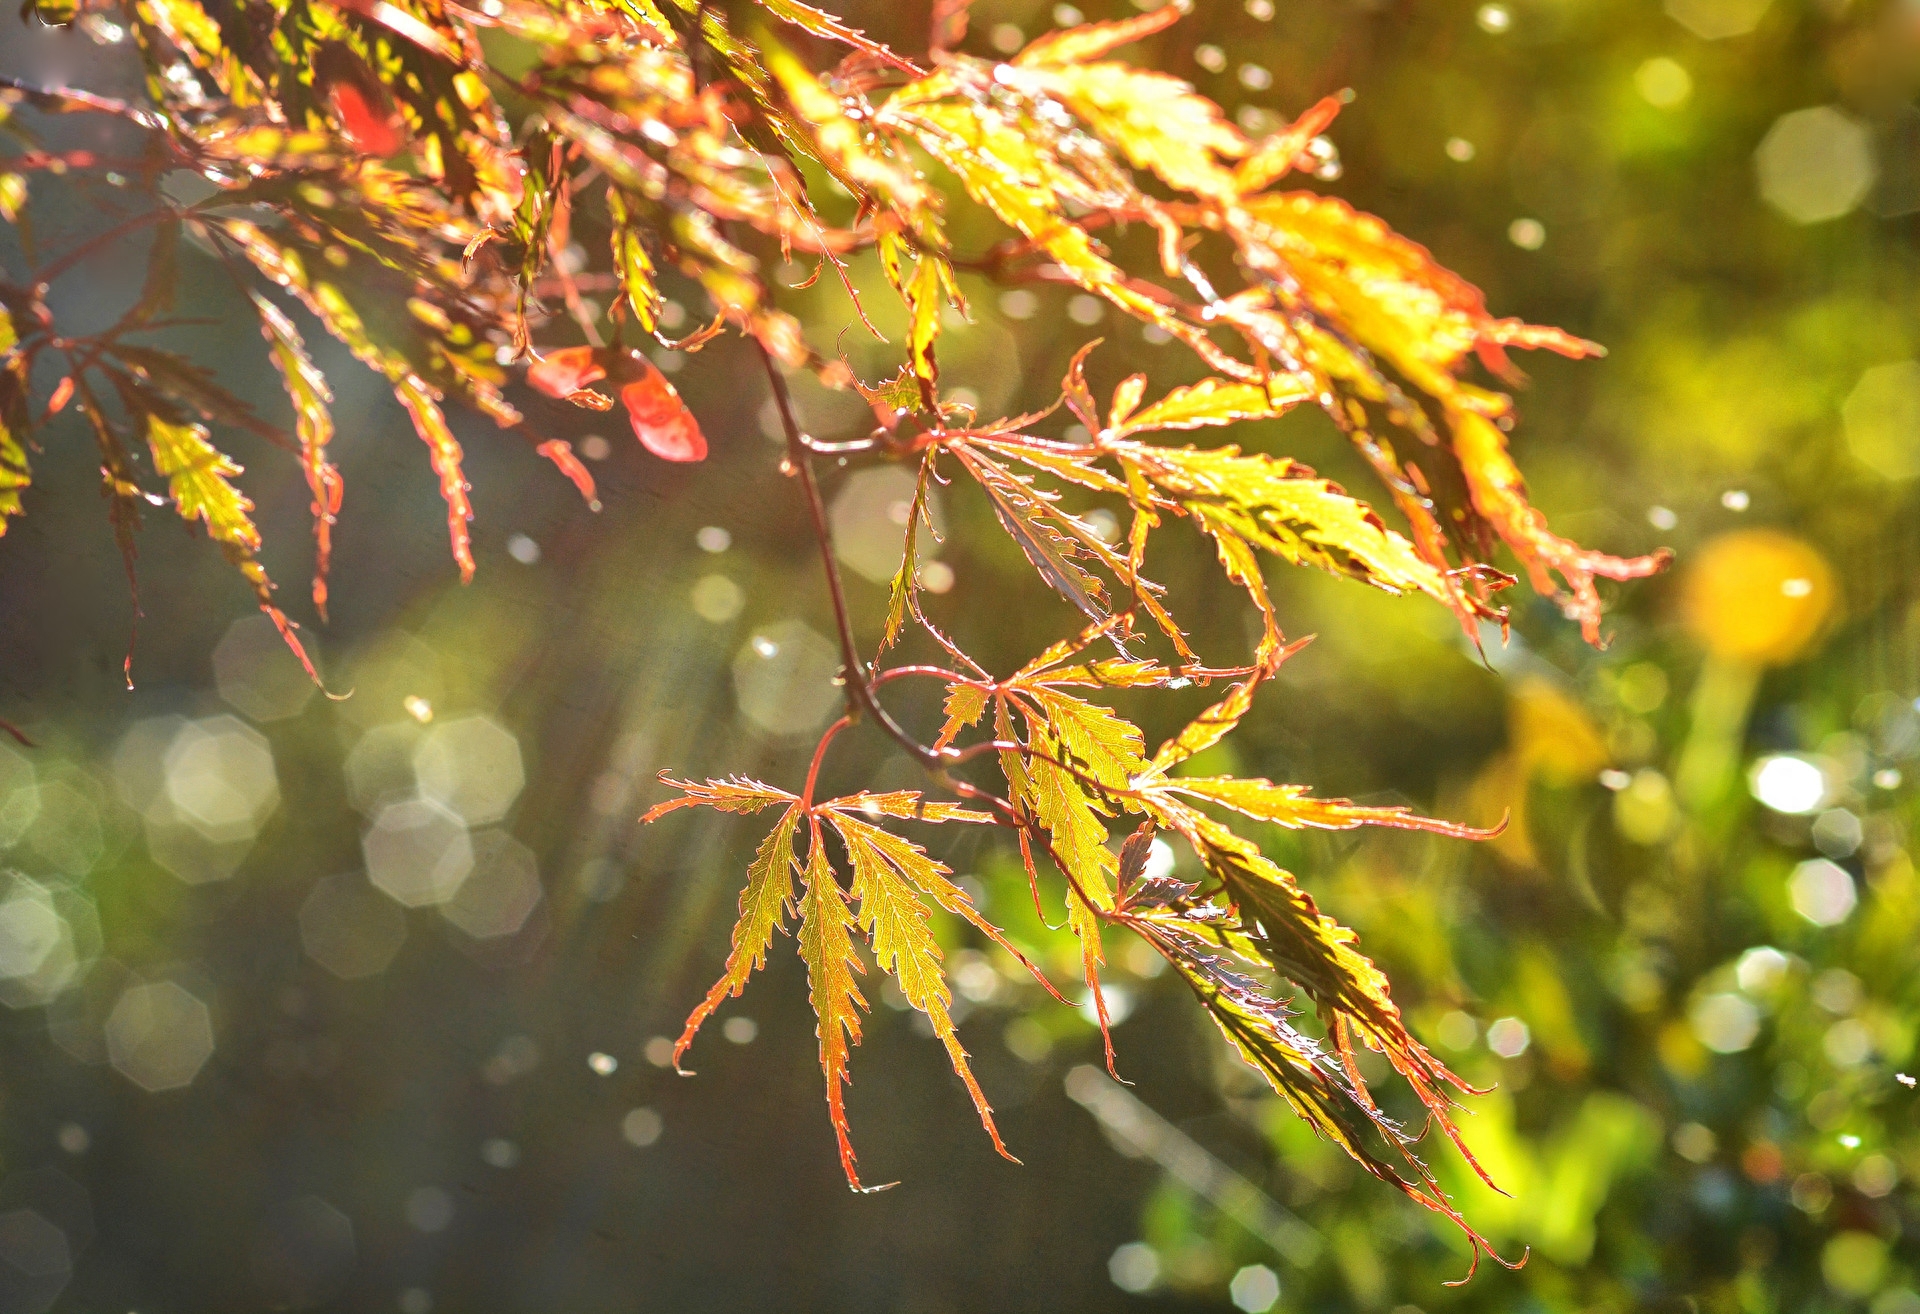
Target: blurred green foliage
1696	1039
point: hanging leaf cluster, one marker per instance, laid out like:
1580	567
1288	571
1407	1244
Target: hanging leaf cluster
418	178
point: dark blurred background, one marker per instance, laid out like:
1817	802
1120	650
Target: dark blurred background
360	1004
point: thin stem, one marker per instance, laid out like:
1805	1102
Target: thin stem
820	752
934	672
860	697
79	253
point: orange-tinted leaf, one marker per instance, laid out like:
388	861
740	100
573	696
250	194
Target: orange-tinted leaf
1092	40
1500	494
734	794
444	452
1290	805
561	454
1277	156
564	372
965	704
307	389
661	421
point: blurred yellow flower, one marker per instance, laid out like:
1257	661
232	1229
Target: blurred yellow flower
1758	596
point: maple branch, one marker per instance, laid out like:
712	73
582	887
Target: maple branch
860	697
820	752
73	257
859	686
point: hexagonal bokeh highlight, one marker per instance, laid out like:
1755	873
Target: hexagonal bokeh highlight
36	1262
55	1197
77	1018
220	778
1715	20
783	678
159	1036
350	928
188	855
869	516
30	931
258	674
386	675
139	762
471	765
418	852
65	832
303	1253
49	936
1882	415
503	890
1815	164
379	769
19	798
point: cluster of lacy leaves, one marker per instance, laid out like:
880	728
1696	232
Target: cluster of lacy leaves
417	175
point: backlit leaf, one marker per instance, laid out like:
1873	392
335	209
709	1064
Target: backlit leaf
964	706
1215	402
444	449
827	947
884	883
764	905
1500	494
1290	805
661	421
308	392
1092	40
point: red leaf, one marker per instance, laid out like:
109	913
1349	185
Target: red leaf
561	454
372	127
661	421
565	372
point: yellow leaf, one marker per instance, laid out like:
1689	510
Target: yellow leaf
444	449
1091	738
1092	40
763	908
826	945
895	920
1155	120
964	706
925	302
906	579
1500	495
1005	170
1215	402
907	805
843	147
632	263
1210	727
197	473
1290	806
15	474
734	794
1281	507
1106	673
